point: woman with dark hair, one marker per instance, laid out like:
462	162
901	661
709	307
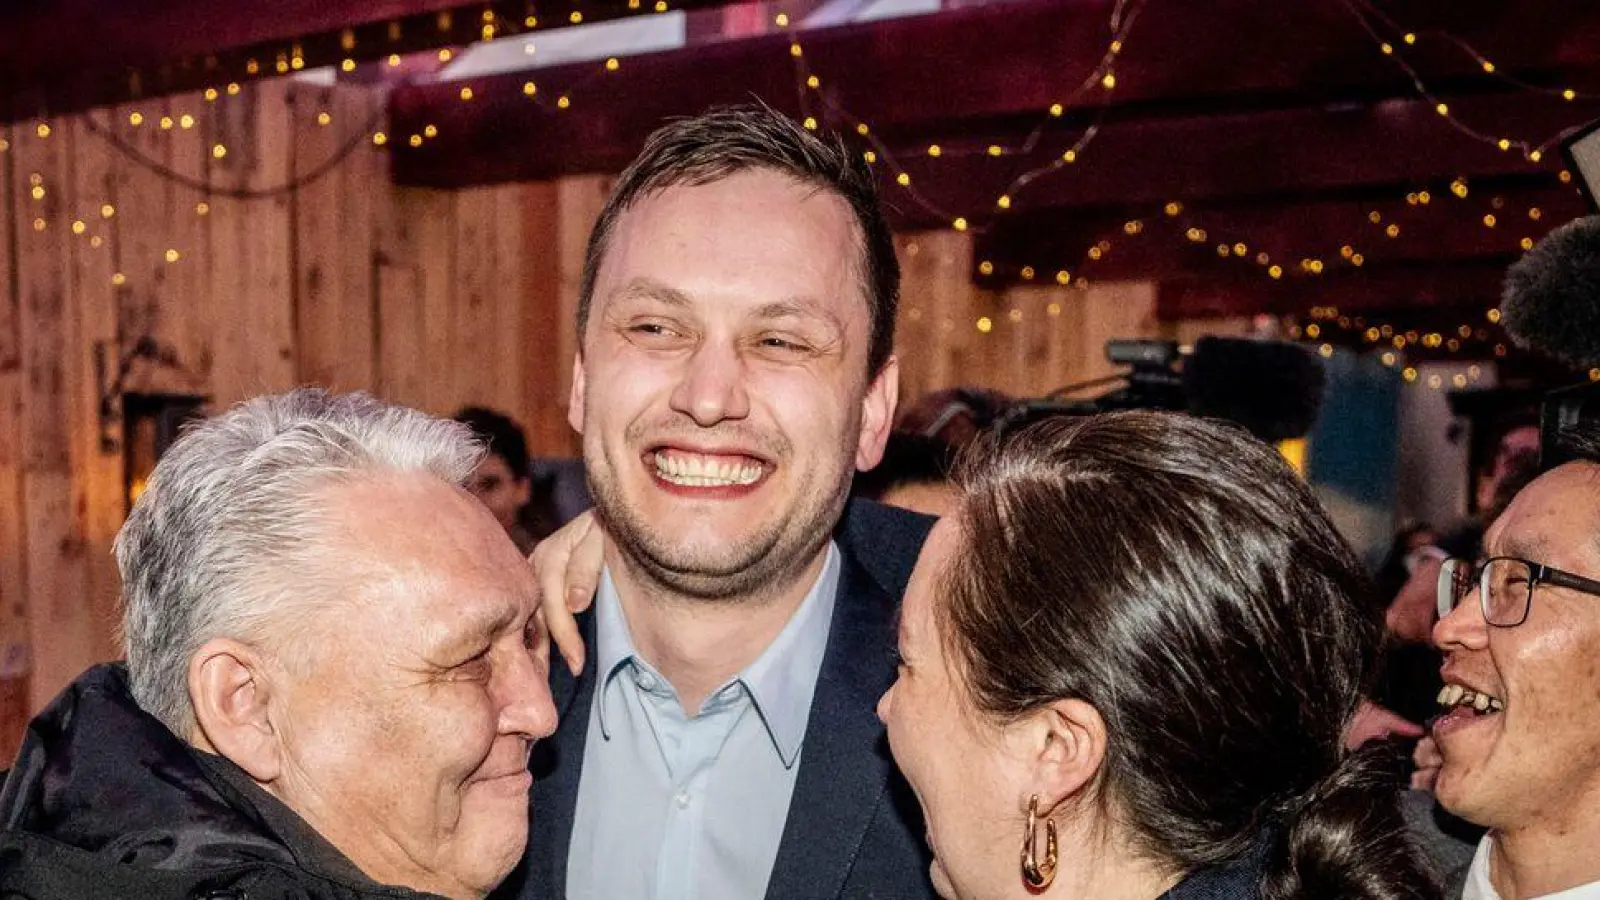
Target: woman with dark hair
1131	656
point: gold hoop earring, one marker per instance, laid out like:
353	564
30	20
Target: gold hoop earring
1035	874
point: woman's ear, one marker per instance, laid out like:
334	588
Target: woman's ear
231	694
1065	746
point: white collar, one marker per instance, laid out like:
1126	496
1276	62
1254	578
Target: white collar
1479	887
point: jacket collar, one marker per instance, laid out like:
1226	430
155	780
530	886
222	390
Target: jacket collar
97	773
845	770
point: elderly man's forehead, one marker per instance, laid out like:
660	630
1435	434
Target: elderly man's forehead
1560	506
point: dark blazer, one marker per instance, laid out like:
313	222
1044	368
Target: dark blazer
854	831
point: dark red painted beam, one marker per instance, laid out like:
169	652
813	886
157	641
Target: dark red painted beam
1308	151
1462	286
60	55
982	71
1447	228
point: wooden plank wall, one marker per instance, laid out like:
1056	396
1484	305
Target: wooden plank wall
431	299
427	298
1023	341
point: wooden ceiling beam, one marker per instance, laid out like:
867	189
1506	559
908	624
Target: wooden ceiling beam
1262	154
1467	287
58	56
989	73
1188	245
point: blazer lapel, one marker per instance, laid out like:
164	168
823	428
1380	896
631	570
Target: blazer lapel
844	763
557	764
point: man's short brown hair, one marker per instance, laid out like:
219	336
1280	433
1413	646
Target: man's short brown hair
721	143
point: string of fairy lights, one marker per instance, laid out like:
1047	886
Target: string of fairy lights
1390	39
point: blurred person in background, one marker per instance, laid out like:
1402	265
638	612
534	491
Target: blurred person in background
954	415
504	481
914	474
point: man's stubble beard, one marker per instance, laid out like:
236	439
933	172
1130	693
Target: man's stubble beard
752	569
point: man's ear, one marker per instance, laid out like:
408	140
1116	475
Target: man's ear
575	398
231	693
1064	747
877	414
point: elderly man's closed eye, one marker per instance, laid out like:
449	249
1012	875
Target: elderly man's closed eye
335	675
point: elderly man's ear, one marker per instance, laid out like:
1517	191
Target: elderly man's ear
232	695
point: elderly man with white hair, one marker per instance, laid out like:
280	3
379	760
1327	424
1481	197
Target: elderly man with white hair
335	673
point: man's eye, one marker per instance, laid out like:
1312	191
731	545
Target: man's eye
783	345
653	329
476	667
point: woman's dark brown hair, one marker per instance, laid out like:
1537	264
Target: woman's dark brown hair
1178	576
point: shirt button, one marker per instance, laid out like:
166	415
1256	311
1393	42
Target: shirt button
647	682
683	799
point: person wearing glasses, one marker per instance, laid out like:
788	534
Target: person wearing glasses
1519	739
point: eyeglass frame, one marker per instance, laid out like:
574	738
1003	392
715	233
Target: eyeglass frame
1538	573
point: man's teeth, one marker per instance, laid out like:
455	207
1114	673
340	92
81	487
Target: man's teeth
1454	695
700	471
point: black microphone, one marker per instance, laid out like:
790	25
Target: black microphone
1272	388
1551	302
1552	305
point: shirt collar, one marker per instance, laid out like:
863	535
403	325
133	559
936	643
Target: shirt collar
1480	886
781	681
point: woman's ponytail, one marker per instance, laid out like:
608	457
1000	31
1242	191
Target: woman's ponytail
1346	838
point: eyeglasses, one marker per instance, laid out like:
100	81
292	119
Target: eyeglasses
1505	586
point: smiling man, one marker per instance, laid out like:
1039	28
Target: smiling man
1520	739
335	675
734	371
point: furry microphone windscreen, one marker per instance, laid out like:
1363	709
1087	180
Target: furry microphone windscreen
1552	295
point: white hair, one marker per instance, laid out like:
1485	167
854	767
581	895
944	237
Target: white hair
224	541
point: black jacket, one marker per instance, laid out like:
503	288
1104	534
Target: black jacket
105	802
854	831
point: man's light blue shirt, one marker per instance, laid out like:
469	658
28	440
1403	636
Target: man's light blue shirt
679	807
